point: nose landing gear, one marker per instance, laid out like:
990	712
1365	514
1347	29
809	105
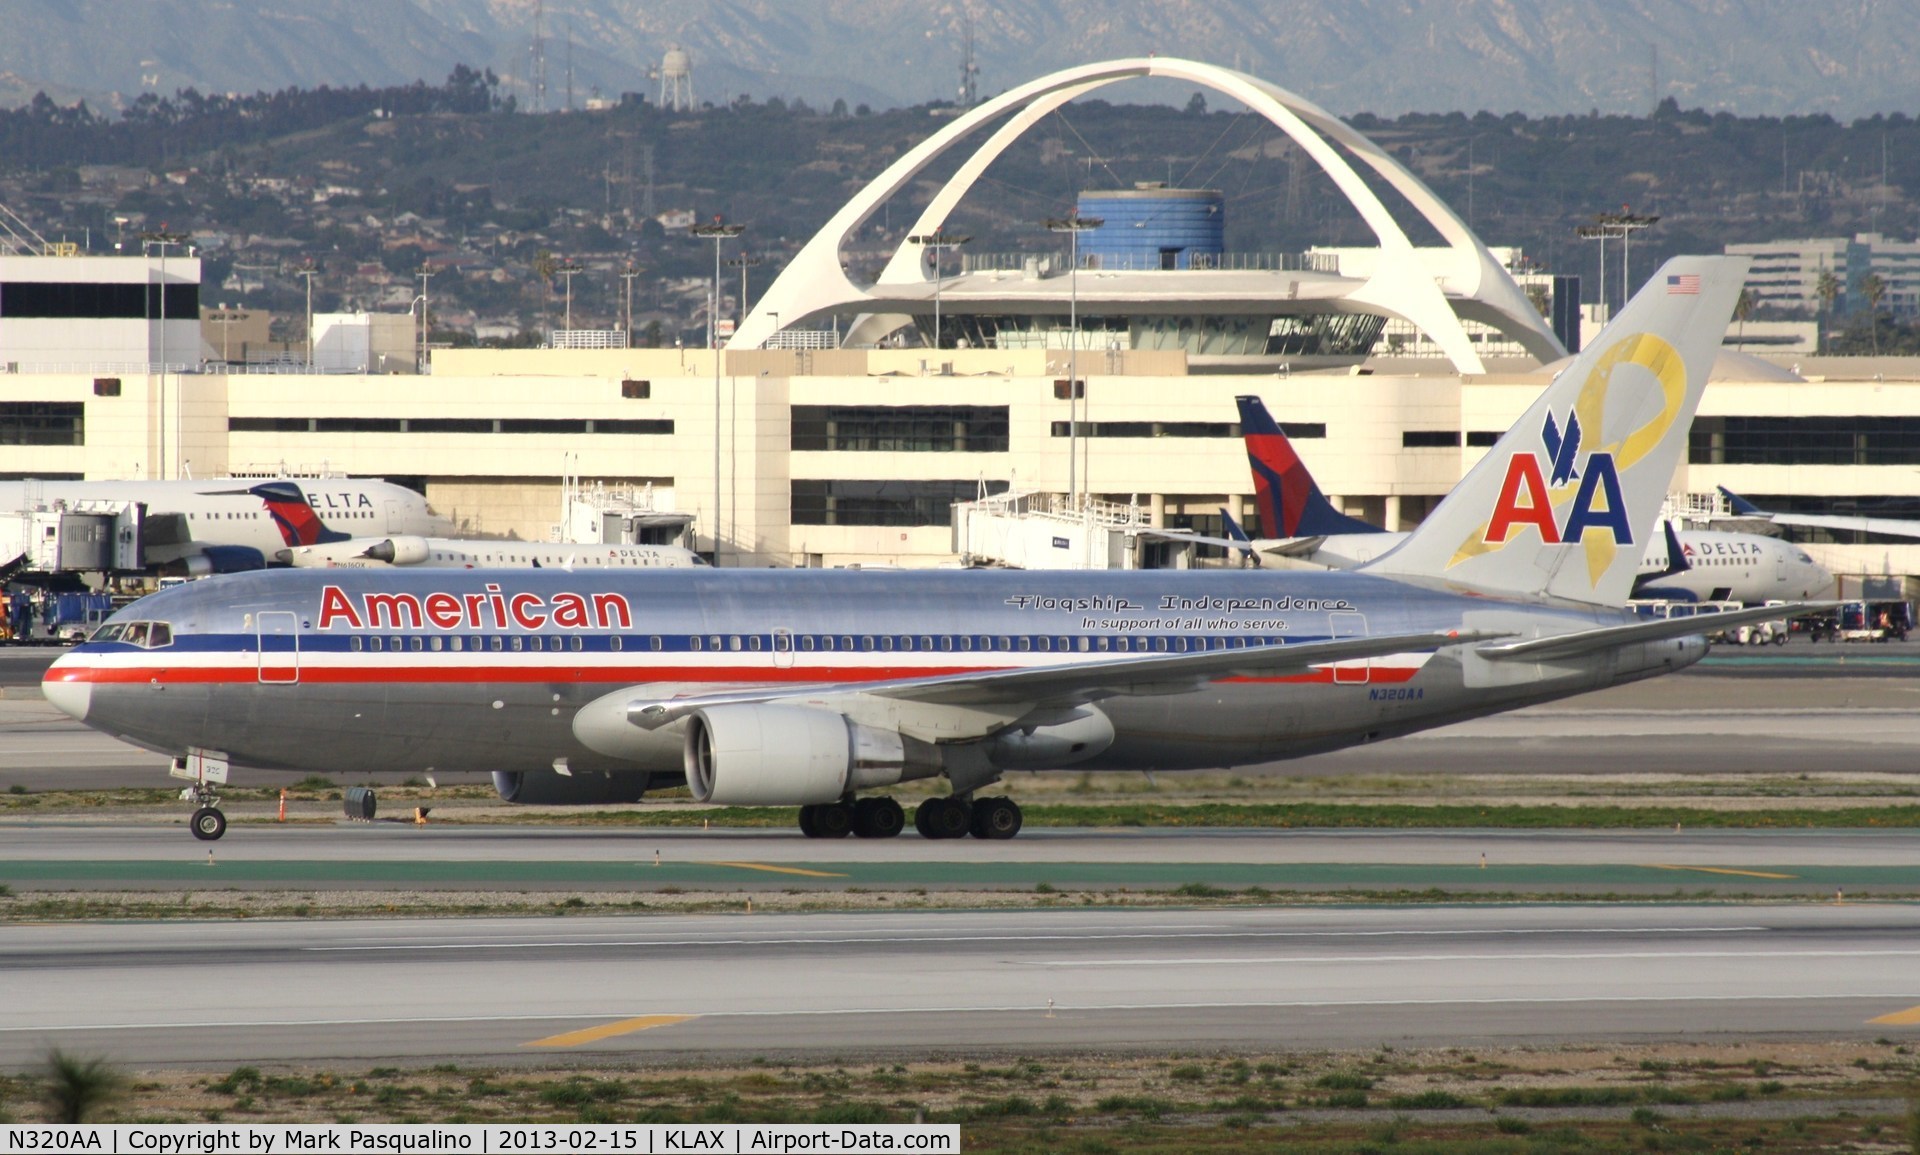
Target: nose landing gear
207	822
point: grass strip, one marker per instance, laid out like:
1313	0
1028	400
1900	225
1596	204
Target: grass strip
1308	815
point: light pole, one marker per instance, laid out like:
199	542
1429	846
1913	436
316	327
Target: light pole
631	272
1073	226
567	270
308	273
936	241
420	359
1622	224
163	239
743	262
719	232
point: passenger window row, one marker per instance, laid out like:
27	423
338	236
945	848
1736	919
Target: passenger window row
823	643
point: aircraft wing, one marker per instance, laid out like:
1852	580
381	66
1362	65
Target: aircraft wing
1607	637
1079	682
1278	546
1892	527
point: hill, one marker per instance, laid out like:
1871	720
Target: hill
1752	57
372	184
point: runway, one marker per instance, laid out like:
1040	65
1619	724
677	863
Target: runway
913	983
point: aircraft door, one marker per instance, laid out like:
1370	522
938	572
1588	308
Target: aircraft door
1779	565
396	517
1349	625
783	649
278	637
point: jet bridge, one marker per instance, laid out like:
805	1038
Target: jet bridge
72	537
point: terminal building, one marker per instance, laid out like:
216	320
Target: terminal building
842	422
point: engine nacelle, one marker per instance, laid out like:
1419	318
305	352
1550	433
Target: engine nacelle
400	551
761	755
223	559
582	788
1062	743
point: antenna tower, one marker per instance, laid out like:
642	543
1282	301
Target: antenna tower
969	71
537	61
647	211
569	64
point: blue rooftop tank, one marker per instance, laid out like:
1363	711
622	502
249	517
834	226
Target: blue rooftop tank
1151	226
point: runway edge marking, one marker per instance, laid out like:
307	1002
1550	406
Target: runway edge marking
609	1030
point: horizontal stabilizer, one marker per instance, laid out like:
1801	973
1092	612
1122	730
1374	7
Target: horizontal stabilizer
1608	637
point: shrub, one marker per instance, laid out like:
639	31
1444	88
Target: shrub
78	1089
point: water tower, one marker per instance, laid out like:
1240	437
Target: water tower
676	79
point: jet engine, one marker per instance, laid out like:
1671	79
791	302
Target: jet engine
399	551
765	755
223	559
582	788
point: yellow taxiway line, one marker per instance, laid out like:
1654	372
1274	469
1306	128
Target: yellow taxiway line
778	869
609	1030
1718	870
1907	1018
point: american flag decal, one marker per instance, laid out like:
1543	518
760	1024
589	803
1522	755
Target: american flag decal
1684	284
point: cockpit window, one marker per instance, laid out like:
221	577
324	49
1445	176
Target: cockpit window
144	634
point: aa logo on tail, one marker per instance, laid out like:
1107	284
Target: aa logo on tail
1533	488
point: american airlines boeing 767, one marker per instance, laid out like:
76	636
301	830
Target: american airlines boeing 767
822	689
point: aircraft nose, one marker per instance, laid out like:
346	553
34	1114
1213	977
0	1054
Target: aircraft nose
63	687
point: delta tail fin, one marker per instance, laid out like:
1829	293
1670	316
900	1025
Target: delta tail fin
1290	503
293	515
1561	505
1740	505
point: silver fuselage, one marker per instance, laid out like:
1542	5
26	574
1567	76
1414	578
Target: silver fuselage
307	671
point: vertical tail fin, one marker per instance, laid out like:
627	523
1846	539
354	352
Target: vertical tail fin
1560	505
1290	503
294	516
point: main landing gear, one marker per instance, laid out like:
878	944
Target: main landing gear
877	817
882	817
957	817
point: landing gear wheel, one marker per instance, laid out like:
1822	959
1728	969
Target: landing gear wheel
996	818
832	820
806	821
879	817
207	823
944	817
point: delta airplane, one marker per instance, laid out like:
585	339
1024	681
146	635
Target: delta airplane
818	688
235	524
464	553
1678	564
